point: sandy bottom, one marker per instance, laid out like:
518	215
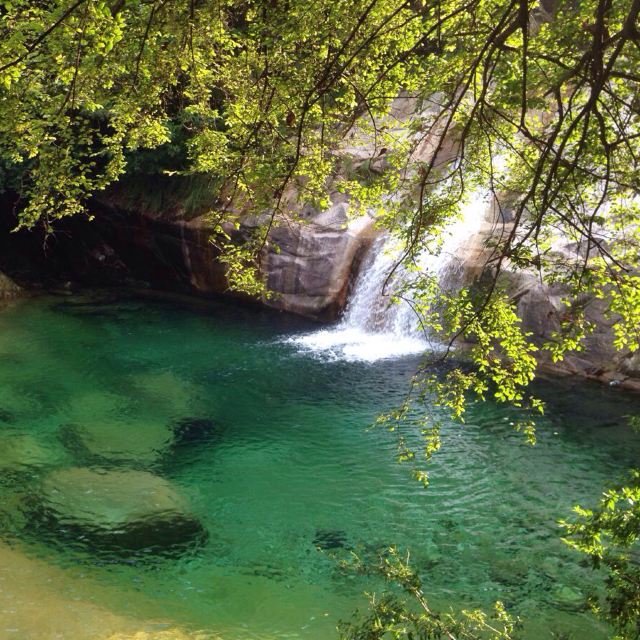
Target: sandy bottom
32	609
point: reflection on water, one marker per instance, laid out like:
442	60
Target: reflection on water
170	470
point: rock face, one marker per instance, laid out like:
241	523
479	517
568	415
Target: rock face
541	309
308	266
8	288
118	510
313	266
154	241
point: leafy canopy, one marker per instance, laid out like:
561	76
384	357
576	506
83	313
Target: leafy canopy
534	102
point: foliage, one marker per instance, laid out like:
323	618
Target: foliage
396	617
534	103
609	535
261	91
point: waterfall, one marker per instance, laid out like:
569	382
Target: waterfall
373	328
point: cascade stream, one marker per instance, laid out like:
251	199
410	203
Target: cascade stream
373	327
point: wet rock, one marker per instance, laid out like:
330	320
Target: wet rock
312	265
122	511
541	308
308	264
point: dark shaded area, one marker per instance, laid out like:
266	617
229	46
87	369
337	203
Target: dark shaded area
601	406
327	539
6	416
192	431
119	247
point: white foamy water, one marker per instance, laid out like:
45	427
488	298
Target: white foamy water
373	328
352	343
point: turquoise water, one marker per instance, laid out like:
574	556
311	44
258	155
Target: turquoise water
267	448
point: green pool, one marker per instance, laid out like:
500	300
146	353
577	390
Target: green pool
264	444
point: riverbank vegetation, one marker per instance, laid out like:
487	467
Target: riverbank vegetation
536	103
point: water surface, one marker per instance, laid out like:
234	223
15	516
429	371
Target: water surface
277	465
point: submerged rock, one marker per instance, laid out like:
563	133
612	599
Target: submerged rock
165	392
97	405
84	309
16	405
21	452
191	431
327	539
507	571
118	440
551	567
98	305
569	598
117	510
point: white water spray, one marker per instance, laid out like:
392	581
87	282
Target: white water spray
373	328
